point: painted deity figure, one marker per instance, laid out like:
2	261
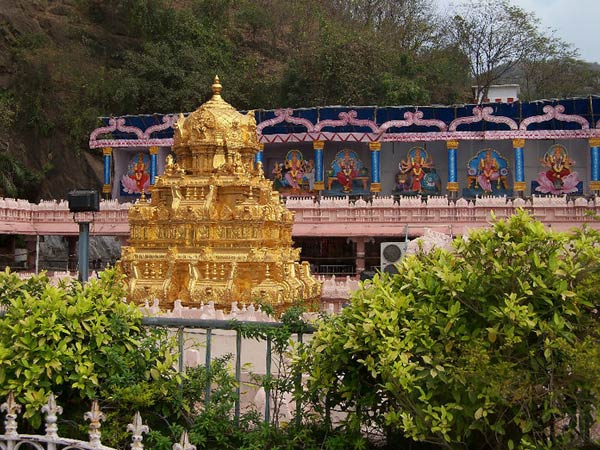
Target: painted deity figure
401	183
278	176
413	166
309	174
558	177
347	171
488	171
294	167
137	177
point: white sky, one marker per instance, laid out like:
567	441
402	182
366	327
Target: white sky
575	21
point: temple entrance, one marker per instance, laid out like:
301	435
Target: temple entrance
328	255
338	256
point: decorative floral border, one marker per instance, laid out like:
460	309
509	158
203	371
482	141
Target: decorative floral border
315	132
486	114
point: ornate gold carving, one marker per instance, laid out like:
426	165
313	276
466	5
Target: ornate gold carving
106	189
374	146
595	185
594	142
375	187
520	186
318	145
451	144
518	143
107	151
452	187
214	229
153	150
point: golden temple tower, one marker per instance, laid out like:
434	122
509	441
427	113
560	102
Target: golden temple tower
214	229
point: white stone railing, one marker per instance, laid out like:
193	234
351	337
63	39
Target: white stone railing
12	439
54	218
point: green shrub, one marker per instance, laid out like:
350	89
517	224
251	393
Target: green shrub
491	345
83	342
76	341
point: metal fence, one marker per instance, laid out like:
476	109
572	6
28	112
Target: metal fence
180	325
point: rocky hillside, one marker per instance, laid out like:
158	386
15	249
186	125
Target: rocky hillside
46	59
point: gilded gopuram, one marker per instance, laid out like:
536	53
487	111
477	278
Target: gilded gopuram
214	229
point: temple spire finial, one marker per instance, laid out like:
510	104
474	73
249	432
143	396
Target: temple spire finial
216	87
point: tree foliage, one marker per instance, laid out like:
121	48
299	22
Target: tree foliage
16	180
496	37
492	345
559	77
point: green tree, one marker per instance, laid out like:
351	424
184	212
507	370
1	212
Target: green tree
492	345
16	180
496	37
557	77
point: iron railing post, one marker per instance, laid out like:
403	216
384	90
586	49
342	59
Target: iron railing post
238	373
207	366
268	382
298	391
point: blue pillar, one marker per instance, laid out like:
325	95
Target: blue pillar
595	165
319	173
375	148
520	186
258	158
106	188
452	185
153	159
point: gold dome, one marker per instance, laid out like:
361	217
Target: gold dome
215	125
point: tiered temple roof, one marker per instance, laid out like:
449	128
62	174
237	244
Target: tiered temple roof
215	230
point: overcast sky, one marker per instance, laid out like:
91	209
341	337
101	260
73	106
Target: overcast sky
575	21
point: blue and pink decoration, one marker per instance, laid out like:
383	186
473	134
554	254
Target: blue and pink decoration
487	174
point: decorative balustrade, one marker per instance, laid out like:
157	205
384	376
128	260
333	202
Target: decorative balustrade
331	216
54	218
12	439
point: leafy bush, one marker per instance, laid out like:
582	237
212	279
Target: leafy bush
83	342
74	340
491	345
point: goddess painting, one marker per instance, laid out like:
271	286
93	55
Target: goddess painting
347	170
487	174
557	178
415	166
137	178
489	171
294	165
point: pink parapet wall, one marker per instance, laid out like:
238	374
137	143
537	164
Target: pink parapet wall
332	216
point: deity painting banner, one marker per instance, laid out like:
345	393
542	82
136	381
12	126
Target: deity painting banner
417	175
137	177
487	174
557	178
347	174
295	175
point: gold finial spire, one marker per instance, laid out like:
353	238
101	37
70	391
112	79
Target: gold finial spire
216	87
